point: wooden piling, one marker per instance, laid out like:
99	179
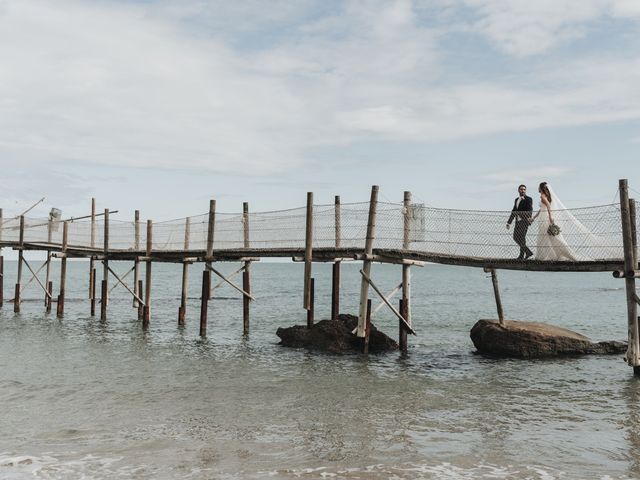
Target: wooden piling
366	267
136	262
308	252
92	275
147	277
367	330
246	274
312	295
63	270
406	272
50	296
206	274
140	305
185	274
403	343
496	293
204	301
48	271
335	277
630	264
104	290
16	297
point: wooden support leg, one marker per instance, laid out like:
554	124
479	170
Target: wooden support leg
335	292
103	300
206	287
50	296
92	285
16	299
63	278
140	305
183	297
367	332
246	286
402	330
312	301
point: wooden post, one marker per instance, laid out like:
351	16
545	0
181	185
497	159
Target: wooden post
206	274
403	344
185	275
16	297
48	271
367	333
310	312
50	296
136	262
140	305
633	351
63	270
92	277
496	292
366	267
246	274
147	277
406	272
335	280
634	233
104	293
308	252
204	301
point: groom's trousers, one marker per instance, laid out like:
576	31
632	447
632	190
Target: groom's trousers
520	237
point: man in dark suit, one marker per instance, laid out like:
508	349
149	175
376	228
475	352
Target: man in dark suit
522	210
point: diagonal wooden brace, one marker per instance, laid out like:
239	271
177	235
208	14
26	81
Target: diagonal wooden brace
123	277
393	309
123	284
388	297
229	277
209	267
35	275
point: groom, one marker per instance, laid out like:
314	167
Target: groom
522	210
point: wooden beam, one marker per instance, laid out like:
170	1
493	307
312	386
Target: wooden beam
633	350
104	290
63	271
308	252
182	310
381	295
246	294
146	311
121	282
366	267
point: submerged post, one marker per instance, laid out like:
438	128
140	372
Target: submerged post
185	274
366	267
335	280
104	293
496	293
246	274
147	277
92	275
630	264
308	252
367	333
16	297
48	270
406	275
310	312
63	270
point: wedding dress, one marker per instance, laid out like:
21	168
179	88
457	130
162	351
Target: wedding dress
555	247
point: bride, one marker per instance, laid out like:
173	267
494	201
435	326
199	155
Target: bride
549	246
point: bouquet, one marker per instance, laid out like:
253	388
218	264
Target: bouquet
553	230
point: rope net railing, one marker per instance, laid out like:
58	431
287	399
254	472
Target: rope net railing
586	234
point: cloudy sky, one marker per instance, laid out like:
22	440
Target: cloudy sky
160	105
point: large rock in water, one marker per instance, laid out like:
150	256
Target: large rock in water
535	340
334	336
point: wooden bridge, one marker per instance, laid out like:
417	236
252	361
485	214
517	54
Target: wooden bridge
603	239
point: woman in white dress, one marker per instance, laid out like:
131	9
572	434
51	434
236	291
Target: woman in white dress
549	247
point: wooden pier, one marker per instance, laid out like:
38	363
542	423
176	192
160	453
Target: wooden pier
404	234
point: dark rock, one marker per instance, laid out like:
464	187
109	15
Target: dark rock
535	340
334	336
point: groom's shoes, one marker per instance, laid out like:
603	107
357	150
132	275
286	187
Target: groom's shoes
528	256
520	258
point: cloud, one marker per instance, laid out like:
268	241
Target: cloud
523	28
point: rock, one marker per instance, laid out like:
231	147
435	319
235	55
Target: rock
535	340
334	336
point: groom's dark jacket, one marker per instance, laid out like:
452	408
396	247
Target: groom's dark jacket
522	211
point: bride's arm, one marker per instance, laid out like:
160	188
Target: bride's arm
546	204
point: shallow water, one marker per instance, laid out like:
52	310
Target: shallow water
83	398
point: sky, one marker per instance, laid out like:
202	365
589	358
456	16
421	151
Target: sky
160	105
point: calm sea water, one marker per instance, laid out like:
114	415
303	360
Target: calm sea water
83	399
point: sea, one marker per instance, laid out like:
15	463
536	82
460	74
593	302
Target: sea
82	398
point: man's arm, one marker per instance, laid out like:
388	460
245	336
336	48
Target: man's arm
512	216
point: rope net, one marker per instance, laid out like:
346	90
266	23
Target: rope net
587	234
